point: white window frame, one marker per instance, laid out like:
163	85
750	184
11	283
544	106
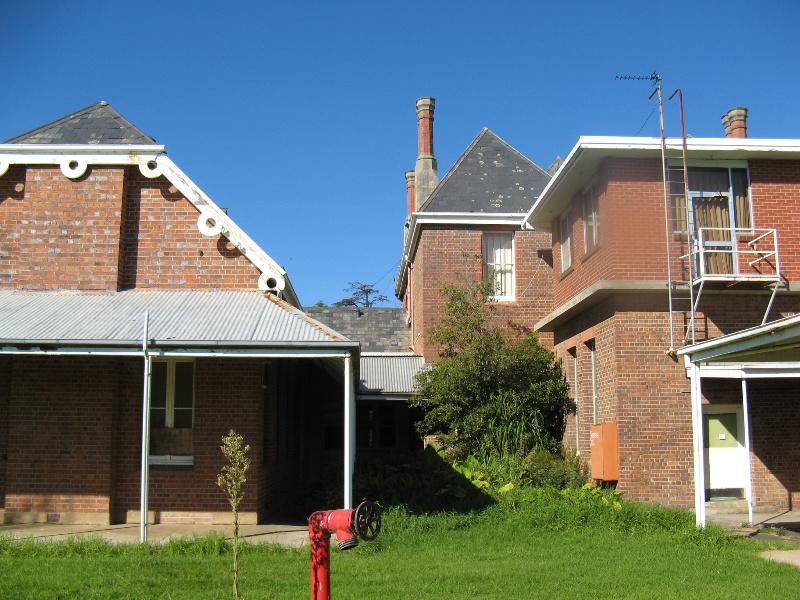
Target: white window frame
169	420
591	218
498	262
565	239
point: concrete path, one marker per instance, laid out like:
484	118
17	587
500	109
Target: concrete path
288	534
774	525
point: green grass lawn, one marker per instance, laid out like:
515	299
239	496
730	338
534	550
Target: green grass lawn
547	545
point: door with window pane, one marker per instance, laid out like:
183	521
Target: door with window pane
712	210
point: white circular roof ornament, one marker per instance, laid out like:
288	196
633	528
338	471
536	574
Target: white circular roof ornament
73	167
208	224
149	169
4	167
271	282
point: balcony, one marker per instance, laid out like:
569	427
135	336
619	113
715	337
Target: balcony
734	256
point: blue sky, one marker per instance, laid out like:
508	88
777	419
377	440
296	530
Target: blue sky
299	116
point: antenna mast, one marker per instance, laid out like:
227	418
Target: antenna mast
655	77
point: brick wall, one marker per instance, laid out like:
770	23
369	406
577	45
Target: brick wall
61	418
164	249
449	255
775	192
648	395
5	392
60	233
111	229
775	452
228	395
639	388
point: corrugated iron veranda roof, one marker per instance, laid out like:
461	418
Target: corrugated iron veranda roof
197	319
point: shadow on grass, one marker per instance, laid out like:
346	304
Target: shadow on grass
421	482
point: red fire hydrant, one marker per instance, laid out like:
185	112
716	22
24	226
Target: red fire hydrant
348	524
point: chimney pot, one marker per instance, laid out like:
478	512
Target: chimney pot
735	122
426	172
410	191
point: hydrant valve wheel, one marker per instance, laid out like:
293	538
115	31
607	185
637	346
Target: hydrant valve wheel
367	521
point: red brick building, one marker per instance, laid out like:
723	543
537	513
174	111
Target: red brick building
123	287
650	262
466	227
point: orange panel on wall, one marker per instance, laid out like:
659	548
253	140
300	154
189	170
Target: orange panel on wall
604	455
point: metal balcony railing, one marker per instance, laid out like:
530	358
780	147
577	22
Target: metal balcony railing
735	255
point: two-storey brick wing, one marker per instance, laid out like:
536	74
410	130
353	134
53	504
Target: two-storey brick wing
656	251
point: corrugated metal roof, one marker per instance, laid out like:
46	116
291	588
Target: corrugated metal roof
117	318
389	374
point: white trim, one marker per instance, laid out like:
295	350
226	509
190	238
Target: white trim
171	459
698	450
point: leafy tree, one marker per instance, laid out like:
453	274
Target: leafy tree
320	304
488	396
363	294
232	478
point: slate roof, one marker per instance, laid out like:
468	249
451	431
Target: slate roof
202	319
95	124
378	329
490	177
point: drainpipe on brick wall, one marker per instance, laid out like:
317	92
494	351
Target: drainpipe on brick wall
426	171
735	122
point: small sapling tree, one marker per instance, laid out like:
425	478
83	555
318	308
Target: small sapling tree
232	478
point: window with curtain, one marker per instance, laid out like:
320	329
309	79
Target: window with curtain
719	201
498	261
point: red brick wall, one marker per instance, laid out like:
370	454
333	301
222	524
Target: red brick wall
228	395
110	229
775	192
647	394
449	255
61	418
632	242
775	452
164	249
641	389
61	233
5	391
632	224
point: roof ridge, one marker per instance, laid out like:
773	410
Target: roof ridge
109	111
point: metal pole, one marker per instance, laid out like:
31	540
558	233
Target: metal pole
749	489
145	483
349	432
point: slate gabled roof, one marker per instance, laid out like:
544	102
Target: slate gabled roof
490	177
378	329
95	124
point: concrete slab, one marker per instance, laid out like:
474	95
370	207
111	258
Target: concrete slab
791	557
289	534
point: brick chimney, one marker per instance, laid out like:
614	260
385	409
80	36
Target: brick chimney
411	198
735	122
426	175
